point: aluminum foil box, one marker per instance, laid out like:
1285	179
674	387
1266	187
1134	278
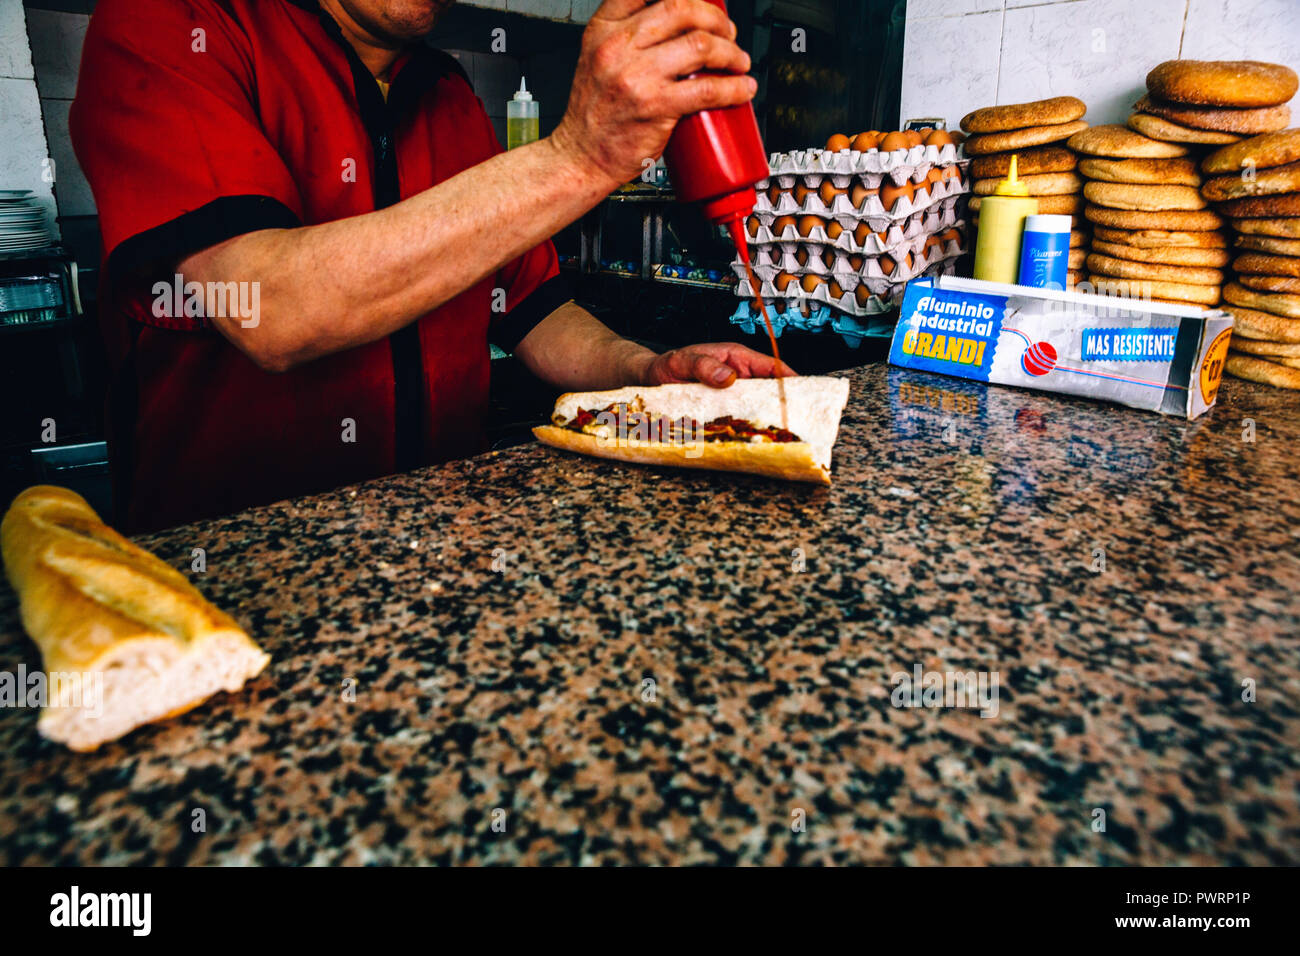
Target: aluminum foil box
1148	355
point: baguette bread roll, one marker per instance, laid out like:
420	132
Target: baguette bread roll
142	638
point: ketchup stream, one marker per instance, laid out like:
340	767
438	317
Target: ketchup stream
737	230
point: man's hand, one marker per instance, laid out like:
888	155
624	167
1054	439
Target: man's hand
634	80
713	363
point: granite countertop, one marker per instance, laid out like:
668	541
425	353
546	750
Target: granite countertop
540	658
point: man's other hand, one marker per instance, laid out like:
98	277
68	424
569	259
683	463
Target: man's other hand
713	363
634	80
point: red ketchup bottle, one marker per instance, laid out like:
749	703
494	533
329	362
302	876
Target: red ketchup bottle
714	158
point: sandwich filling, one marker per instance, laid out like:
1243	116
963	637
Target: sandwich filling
629	421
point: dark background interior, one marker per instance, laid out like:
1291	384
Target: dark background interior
830	86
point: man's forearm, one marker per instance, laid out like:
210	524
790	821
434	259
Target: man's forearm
574	350
341	284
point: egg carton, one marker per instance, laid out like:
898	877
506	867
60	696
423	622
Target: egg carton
853	329
925	222
885	289
847	162
843	269
916	173
872	209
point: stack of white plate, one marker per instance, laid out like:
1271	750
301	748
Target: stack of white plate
22	222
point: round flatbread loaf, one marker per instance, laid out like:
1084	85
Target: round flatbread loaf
1260	263
1051	112
1120	142
1072	279
1075	259
1260	347
1265	119
1029	162
1253	346
1222	82
1278	303
1040	184
1201	295
1268	182
1255	369
1047	205
1283	228
1015	139
1161	238
1167	131
1166	255
1266	207
1269	244
1078	239
1173	220
1144	198
1268	283
1158	172
1262	152
1127	269
1264	326
1190	305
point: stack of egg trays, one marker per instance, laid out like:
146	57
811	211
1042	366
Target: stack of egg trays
906	227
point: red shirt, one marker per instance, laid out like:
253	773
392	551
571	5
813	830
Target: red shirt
199	120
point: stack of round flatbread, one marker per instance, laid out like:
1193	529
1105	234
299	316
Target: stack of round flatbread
1154	235
1035	134
1157	231
1255	183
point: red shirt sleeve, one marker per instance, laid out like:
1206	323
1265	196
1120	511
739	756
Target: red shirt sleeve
165	125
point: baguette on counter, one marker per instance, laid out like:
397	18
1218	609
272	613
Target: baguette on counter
141	641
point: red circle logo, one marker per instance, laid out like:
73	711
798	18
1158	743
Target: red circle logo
1039	358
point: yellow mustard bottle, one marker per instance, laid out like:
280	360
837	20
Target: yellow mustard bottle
1002	229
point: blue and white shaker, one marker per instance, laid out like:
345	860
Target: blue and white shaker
1045	252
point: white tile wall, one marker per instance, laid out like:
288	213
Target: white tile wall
23	147
963	54
56	40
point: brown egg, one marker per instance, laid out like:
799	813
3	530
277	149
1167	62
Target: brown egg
808	223
862	294
833	230
837	142
951	172
780	223
856	262
860	233
865	142
934	175
834	288
828	191
752	225
914	137
800	192
859	193
774	194
774	254
811	282
890	194
952	235
930	243
783	280
886	265
828	259
894	141
801	256
938	138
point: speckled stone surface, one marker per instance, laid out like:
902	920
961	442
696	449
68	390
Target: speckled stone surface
497	620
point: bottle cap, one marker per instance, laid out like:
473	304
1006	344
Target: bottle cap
1011	186
1047	222
522	94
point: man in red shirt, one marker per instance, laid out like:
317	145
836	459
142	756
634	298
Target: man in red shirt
311	233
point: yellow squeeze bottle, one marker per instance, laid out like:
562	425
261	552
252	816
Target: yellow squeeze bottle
1002	229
